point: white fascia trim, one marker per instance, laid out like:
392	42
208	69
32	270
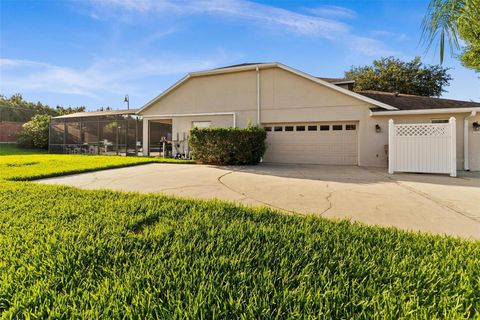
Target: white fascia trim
233	69
172	115
205	73
164	93
422	111
337	88
266	66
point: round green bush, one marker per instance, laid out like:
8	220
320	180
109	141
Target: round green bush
228	146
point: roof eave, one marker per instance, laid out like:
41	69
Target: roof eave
234	69
266	66
337	88
343	82
164	93
423	111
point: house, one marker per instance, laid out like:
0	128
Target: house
309	120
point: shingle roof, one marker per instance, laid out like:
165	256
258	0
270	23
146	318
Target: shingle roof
240	65
411	102
97	113
335	80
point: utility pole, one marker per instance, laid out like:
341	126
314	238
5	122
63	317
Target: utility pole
127	100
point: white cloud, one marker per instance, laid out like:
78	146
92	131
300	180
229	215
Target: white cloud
370	47
103	76
333	12
263	14
322	21
383	34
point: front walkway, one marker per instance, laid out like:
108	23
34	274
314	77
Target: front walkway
437	204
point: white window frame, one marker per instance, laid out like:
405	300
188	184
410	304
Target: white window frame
201	124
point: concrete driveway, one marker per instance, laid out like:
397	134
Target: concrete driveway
431	203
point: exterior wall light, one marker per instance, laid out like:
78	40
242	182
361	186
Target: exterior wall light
476	126
377	128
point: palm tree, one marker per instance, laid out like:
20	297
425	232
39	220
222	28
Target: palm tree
440	22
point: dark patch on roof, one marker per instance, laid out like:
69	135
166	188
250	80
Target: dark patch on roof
240	65
97	113
411	102
335	80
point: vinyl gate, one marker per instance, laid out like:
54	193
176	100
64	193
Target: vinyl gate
422	147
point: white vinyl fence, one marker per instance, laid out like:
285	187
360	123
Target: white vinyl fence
422	147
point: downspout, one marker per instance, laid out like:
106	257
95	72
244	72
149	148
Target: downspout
258	96
466	165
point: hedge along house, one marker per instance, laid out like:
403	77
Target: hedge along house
309	120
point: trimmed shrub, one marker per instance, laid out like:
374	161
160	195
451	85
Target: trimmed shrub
228	146
35	132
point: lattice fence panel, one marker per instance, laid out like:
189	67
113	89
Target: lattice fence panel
421	130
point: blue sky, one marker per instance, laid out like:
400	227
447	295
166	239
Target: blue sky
93	52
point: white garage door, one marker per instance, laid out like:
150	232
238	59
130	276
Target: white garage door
312	143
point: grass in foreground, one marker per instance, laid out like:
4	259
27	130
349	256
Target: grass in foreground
29	167
70	253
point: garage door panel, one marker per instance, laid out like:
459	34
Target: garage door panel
312	147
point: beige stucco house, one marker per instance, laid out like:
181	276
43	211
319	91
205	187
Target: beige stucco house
309	120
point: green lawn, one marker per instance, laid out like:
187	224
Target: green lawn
12	149
27	164
29	167
70	253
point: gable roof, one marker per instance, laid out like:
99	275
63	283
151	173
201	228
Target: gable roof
248	66
412	102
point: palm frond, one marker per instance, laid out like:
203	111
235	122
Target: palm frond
440	22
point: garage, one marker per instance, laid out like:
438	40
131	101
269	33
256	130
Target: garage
312	143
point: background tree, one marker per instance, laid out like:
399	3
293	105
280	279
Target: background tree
447	21
393	75
16	101
36	115
35	132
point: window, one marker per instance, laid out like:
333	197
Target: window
277	128
300	128
350	127
324	128
439	120
312	128
337	127
288	128
268	128
201	124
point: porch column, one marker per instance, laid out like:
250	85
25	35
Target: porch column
146	133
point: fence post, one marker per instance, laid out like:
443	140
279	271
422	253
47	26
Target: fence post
391	146
49	135
146	134
453	147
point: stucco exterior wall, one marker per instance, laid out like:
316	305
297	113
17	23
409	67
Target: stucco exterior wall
288	98
474	144
216	93
378	140
182	125
284	97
